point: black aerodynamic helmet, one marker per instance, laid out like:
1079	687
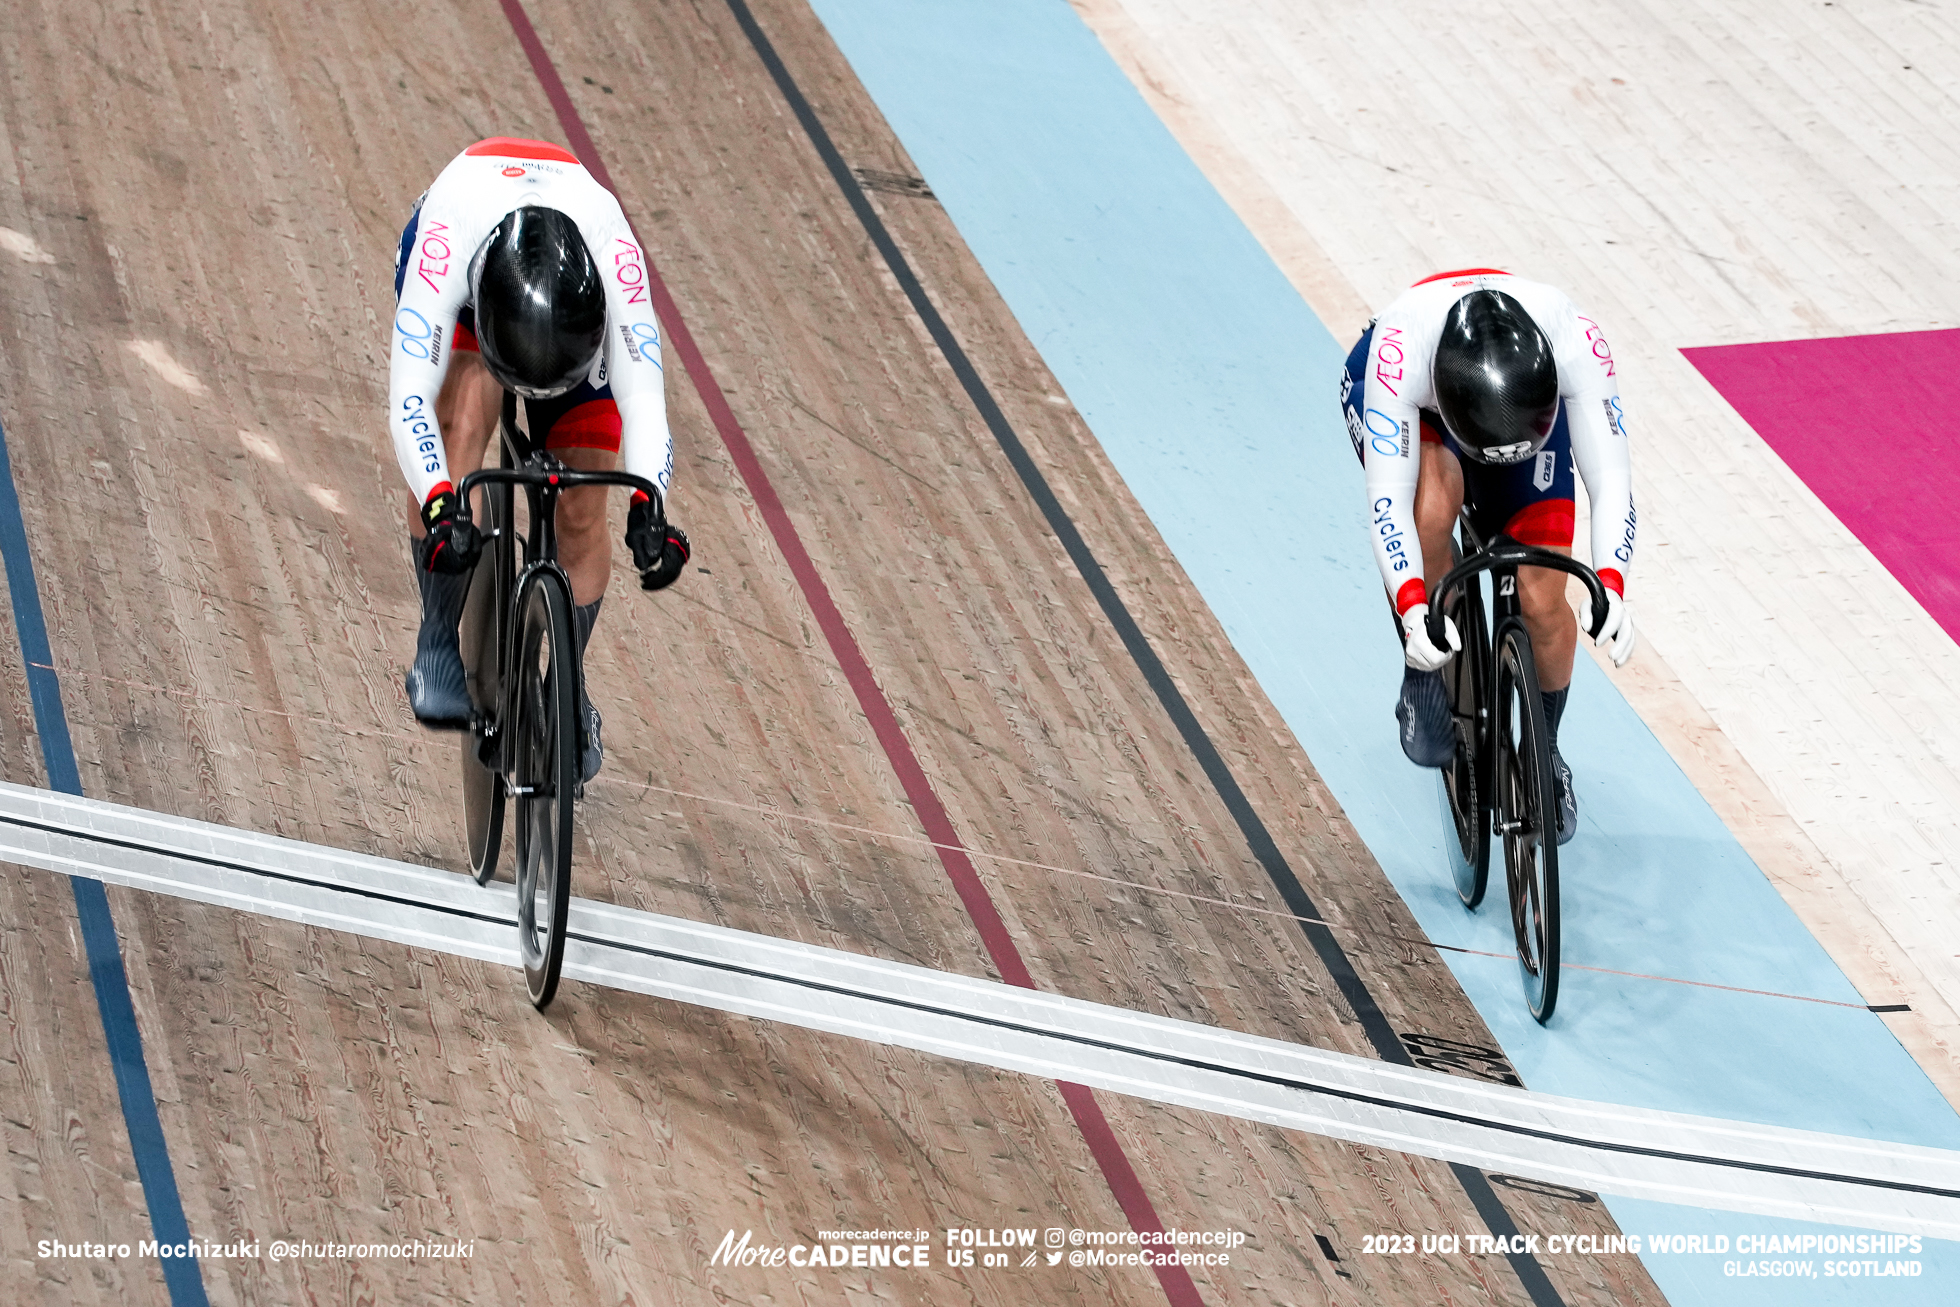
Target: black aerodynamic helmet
540	303
1496	381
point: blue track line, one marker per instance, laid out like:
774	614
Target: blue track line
105	964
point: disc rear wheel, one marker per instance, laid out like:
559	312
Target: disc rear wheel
1466	786
482	624
1527	817
544	737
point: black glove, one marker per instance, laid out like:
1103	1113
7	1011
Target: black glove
660	551
450	546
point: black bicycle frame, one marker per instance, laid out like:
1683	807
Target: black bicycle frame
544	478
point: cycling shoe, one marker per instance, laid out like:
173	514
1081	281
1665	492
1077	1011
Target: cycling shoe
1423	713
592	754
1568	803
437	691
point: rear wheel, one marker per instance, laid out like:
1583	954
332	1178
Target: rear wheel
544	740
1466	781
1527	817
479	631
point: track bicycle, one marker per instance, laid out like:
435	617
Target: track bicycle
522	665
1501	775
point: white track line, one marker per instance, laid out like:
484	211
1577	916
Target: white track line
1671	1157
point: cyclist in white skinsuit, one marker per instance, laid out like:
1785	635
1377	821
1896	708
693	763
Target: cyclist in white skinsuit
1482	388
518	270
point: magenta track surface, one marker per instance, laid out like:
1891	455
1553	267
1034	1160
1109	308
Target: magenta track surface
1867	423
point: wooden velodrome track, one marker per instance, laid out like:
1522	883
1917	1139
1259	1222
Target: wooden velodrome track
191	385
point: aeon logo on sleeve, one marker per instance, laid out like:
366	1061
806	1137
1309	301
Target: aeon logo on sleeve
433	251
629	269
1600	349
1547	469
1388	359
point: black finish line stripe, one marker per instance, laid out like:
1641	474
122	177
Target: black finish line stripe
1332	956
252	869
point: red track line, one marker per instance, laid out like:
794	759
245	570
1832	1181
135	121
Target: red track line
1089	1119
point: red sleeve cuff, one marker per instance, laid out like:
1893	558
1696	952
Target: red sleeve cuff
440	488
1412	593
1610	578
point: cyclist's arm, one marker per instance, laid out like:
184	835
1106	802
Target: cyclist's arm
1392	459
1597	421
633	364
1391	454
1599	449
435	286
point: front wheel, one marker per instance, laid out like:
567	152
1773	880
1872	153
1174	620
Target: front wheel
544	773
1527	817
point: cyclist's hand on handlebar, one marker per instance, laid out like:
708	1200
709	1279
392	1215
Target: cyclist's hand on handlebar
1617	634
1418	651
450	546
660	550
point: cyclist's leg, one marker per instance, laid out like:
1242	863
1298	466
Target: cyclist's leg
1537	507
584	549
1534	503
582	430
1554	629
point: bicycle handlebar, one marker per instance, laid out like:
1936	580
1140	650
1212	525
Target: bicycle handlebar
564	478
1507	553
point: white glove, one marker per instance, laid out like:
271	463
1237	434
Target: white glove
1417	651
1618	629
